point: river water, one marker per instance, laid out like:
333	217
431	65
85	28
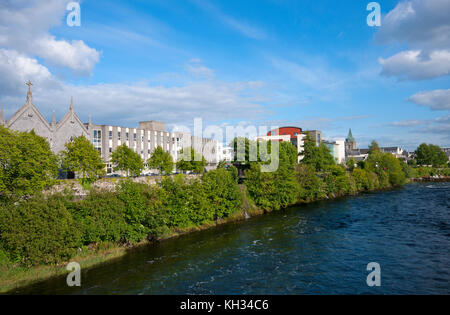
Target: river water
321	248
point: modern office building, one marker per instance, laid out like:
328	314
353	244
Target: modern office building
337	149
293	135
316	135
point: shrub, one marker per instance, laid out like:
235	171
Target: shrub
222	192
38	231
135	209
311	185
101	218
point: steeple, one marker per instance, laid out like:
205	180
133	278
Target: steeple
72	113
2	117
71	103
350	136
90	121
53	119
29	94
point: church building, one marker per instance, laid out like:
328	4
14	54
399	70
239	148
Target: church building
29	118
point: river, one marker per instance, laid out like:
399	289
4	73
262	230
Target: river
320	248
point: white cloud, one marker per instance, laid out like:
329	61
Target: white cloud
25	25
424	26
16	69
75	55
127	104
418	22
413	65
436	100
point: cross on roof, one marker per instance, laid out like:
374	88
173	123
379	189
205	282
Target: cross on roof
29	84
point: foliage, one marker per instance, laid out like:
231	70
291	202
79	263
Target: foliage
278	189
195	163
222	191
81	157
311	185
135	204
38	231
374	147
27	164
351	164
127	160
161	160
317	156
429	154
100	218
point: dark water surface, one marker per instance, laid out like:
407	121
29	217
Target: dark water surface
315	249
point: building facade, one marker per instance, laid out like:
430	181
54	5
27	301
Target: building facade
28	118
105	138
337	150
293	135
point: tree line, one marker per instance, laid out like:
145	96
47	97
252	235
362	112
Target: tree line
28	165
38	229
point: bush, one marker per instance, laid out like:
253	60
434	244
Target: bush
101	218
311	185
272	190
135	209
38	231
222	192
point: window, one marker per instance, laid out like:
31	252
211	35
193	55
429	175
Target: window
119	135
134	137
110	135
110	150
128	136
98	141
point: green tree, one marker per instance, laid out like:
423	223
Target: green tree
196	161
161	160
27	164
374	147
351	164
277	189
127	160
317	156
81	157
430	155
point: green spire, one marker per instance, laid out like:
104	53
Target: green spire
350	136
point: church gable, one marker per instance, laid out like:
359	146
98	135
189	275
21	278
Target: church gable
68	128
28	118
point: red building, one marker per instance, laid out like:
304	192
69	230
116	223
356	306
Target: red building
293	132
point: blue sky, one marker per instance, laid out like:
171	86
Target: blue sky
312	64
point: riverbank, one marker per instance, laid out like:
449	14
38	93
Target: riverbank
14	276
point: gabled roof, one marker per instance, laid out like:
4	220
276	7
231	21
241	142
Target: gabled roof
28	106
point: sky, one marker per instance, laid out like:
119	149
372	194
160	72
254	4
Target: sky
315	64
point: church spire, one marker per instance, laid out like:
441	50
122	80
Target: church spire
350	137
53	119
29	94
71	103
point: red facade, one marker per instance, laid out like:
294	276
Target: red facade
291	131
